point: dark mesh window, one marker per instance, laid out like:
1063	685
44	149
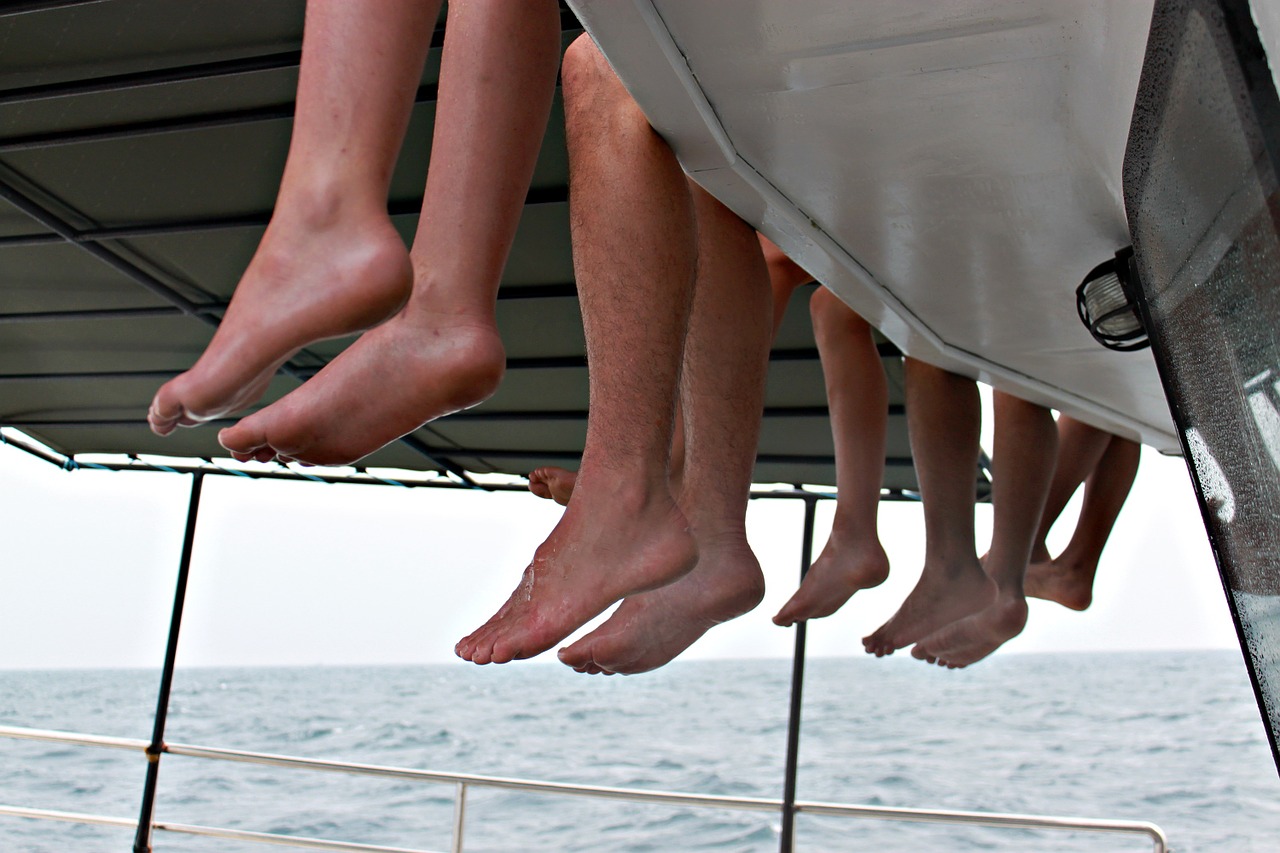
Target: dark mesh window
1201	192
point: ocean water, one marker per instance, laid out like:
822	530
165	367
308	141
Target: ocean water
1171	738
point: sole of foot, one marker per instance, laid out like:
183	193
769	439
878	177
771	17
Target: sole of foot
411	370
940	597
976	636
651	629
591	560
297	290
1071	587
832	580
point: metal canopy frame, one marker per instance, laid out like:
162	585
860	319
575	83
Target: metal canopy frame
167	259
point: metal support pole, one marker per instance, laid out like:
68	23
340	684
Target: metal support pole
787	837
142	840
459	817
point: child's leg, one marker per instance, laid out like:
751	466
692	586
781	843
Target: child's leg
1026	447
441	353
944	416
330	262
858	399
1068	579
1080	446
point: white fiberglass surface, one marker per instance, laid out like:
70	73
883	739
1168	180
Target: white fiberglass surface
951	169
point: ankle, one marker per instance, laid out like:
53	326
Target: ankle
326	205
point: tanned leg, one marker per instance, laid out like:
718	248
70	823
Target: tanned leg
858	398
944	417
1026	447
442	352
634	256
330	262
722	392
1068	579
1080	447
554	483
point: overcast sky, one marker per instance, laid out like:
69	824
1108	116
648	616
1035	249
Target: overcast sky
303	573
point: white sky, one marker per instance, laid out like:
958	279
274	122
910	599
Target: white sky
303	573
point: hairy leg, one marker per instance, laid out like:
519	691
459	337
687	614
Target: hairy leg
944	417
1068	579
330	262
442	352
858	398
1026	447
785	276
634	257
722	394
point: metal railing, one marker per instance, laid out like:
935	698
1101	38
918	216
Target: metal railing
463	781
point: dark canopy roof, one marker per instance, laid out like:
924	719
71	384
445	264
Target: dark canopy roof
141	146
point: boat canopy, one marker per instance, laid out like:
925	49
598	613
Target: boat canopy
141	149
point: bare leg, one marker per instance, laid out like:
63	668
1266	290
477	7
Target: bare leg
1068	579
330	262
858	397
1026	447
553	483
944	416
1080	447
622	533
441	353
722	390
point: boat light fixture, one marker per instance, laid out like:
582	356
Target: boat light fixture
1104	301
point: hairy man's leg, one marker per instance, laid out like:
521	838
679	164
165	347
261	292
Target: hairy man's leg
722	394
634	257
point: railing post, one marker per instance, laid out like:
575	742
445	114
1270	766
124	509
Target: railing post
787	837
142	840
459	817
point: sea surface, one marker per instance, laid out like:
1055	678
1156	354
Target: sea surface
1171	738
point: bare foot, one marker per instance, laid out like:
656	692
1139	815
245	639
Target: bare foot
650	629
305	284
619	546
1057	580
842	569
941	596
416	367
553	483
971	639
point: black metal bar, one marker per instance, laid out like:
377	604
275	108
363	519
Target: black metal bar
142	840
24	7
787	836
176	124
90	376
100	314
60	461
259	219
463	452
360	478
152	77
132	271
542	291
134	129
